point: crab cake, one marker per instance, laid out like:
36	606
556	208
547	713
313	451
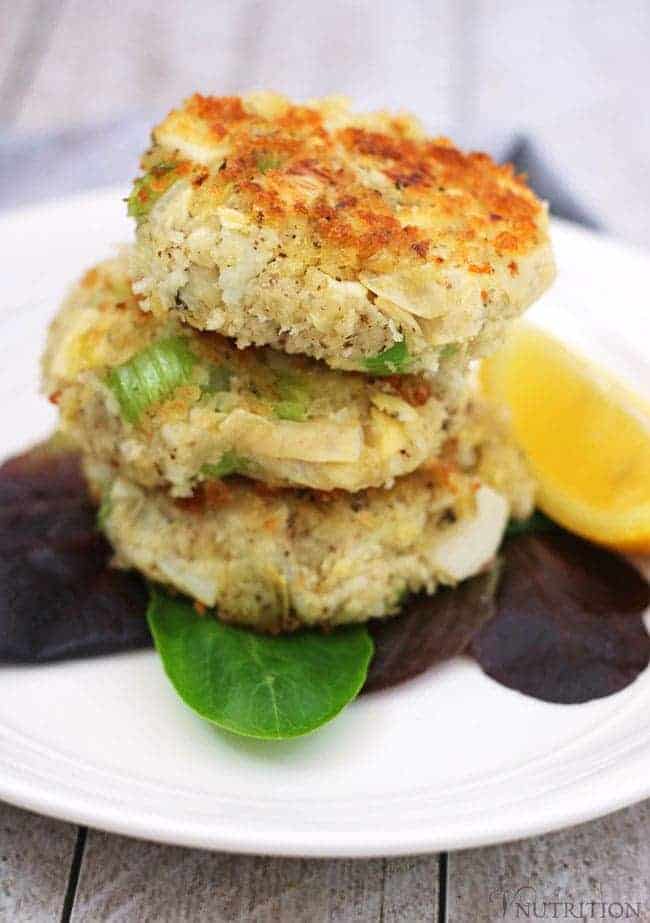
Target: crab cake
277	559
169	406
355	239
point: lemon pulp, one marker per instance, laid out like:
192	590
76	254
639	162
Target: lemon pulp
587	437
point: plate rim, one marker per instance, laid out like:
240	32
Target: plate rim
320	845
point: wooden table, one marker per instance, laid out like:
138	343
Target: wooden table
52	871
567	74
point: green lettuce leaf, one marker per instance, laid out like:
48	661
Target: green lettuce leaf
268	687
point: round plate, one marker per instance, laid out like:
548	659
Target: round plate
448	760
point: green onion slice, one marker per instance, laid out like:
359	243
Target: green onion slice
229	463
105	510
290	410
294	397
449	350
268	161
151	376
393	361
148	188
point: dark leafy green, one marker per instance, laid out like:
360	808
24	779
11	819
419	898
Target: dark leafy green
429	630
254	685
393	361
59	597
537	522
568	623
565	624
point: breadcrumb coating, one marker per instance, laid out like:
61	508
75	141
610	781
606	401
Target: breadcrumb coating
278	559
280	419
320	231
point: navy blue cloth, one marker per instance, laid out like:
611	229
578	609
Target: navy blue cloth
527	158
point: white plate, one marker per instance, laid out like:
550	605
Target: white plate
449	760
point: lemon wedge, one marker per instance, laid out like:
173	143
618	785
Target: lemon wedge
587	437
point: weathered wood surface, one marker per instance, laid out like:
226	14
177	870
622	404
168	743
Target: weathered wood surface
35	860
603	866
589	872
123	880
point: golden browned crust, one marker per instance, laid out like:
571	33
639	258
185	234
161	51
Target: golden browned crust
377	193
339	236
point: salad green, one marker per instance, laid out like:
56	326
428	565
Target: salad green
536	522
268	687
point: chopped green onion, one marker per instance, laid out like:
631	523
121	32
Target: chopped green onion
402	595
218	379
229	463
148	188
150	376
393	361
104	511
294	397
449	350
290	410
267	162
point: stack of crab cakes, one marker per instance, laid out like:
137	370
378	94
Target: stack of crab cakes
270	386
170	406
